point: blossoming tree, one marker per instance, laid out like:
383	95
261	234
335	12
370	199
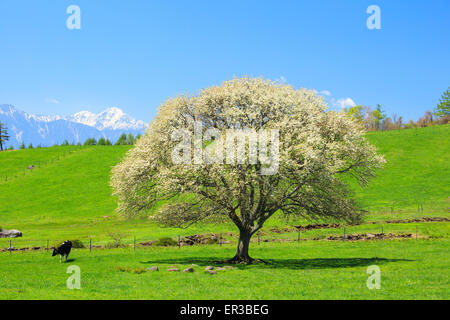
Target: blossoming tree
315	150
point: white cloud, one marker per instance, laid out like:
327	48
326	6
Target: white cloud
343	103
52	100
281	79
325	93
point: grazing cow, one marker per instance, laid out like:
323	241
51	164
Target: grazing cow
63	250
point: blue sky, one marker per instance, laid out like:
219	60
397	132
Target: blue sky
135	54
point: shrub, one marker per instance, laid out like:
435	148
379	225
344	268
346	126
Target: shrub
165	242
76	244
116	240
114	245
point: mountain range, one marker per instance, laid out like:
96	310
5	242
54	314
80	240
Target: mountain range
49	130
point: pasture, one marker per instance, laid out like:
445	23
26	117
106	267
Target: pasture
67	196
410	269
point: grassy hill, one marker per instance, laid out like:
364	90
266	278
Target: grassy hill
417	171
67	183
67	196
68	193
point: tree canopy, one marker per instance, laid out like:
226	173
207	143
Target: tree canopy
443	108
309	152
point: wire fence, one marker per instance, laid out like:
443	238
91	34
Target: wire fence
37	164
345	233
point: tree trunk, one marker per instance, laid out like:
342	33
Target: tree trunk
242	248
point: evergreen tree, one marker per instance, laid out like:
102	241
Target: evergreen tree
443	108
101	141
122	140
130	139
22	145
3	135
90	142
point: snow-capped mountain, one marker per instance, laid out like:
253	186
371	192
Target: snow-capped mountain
49	130
112	118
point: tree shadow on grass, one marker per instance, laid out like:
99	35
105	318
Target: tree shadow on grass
293	264
327	263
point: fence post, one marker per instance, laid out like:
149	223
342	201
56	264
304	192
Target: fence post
90	245
179	242
298	235
220	240
10	246
259	240
134	243
382	233
344	235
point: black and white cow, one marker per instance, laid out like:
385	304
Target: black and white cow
63	250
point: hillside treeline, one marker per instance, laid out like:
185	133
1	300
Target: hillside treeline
123	140
376	119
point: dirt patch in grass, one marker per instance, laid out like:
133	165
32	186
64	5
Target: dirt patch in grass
336	226
370	236
425	219
318	226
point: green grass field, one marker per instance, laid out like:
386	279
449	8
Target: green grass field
67	196
410	269
417	171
